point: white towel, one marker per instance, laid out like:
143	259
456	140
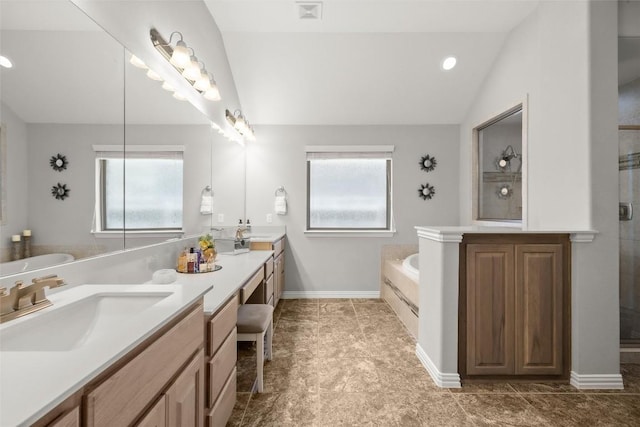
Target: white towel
280	206
206	204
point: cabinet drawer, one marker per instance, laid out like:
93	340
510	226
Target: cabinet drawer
123	396
268	267
220	366
221	412
70	419
223	322
269	288
278	247
251	285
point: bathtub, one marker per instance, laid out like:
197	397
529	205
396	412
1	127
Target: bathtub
410	265
34	263
399	288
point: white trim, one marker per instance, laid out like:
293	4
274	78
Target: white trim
329	294
440	236
349	233
444	380
349	148
141	234
597	381
583	236
139	148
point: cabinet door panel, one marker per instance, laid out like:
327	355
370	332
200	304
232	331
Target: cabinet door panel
70	419
185	398
539	308
490	309
157	416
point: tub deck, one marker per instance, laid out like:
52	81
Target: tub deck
400	291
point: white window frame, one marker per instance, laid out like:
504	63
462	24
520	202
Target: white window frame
352	151
118	151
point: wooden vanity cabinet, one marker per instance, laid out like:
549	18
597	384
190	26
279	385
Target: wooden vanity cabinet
278	267
514	306
69	419
221	360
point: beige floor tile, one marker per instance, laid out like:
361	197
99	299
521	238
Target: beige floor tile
400	376
348	375
335	300
287	345
299	311
374	310
291	302
337	309
501	409
242	399
349	344
368	301
291	409
480	387
291	374
570	410
332	324
551	387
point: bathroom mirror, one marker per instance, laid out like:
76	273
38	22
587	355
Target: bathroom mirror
64	92
499	162
66	105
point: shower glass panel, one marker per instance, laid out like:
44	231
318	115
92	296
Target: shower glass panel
629	166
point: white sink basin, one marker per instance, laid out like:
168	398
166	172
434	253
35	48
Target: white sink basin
73	325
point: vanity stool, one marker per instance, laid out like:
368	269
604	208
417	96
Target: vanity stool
255	321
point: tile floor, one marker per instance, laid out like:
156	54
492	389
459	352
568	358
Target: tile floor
352	363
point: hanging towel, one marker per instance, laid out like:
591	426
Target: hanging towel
206	204
280	205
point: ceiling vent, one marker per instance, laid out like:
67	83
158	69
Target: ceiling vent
309	9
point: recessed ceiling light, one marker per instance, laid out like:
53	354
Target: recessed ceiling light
449	62
5	62
309	9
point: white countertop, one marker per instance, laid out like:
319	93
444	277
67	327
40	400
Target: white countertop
454	233
236	270
34	382
264	237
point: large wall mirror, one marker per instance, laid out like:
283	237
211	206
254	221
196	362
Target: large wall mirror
72	91
499	165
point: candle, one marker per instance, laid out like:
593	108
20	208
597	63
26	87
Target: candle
26	233
15	238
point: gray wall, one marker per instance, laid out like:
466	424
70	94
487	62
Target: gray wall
324	266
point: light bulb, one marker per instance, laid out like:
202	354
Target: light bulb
137	62
192	70
240	124
5	62
166	86
212	94
153	75
502	163
179	96
449	63
202	84
180	56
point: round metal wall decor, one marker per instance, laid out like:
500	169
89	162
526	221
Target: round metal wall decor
428	163
426	191
60	191
58	162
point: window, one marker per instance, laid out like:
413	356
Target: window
349	188
152	197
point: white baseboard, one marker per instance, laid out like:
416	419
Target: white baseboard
330	294
444	380
597	381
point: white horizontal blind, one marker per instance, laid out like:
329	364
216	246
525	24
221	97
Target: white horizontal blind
349	188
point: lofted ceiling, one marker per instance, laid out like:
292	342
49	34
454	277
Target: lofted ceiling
365	62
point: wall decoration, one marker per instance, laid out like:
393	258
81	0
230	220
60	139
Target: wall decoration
60	191
426	191
504	191
428	163
58	162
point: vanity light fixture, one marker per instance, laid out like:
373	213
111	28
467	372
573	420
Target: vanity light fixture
179	96
449	62
5	62
137	62
240	123
184	60
153	75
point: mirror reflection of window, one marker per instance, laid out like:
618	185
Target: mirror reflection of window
500	160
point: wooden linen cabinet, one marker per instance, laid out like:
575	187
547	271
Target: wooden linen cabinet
514	306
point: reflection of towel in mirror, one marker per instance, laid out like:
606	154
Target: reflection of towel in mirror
280	205
206	204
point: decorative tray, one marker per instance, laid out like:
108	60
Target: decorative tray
216	268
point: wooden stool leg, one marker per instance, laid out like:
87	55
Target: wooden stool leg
260	360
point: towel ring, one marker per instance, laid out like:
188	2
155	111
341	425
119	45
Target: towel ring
205	190
281	191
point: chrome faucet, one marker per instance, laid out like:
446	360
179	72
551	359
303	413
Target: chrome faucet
22	300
